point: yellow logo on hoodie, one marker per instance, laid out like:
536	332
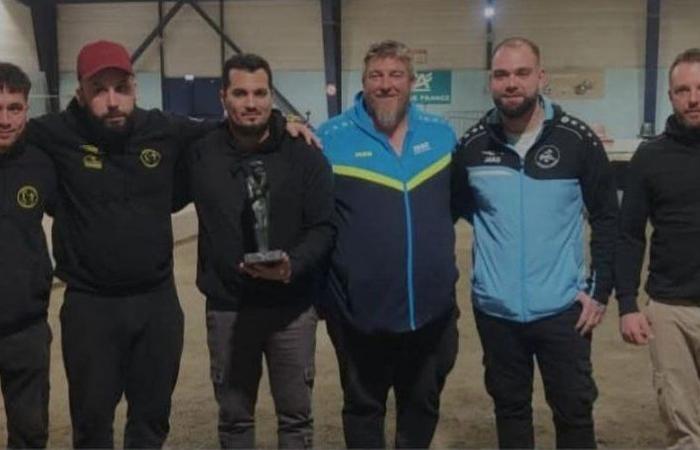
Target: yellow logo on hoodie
150	158
92	159
27	197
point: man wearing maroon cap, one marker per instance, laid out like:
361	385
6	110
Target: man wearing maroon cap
122	325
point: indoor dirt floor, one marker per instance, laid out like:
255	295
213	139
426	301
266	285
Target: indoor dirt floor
626	413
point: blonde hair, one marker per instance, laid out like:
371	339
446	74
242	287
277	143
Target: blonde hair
390	49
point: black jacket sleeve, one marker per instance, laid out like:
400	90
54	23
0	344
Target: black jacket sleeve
631	239
600	199
182	191
318	234
187	132
38	134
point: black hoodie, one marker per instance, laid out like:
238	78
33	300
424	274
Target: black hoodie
27	189
663	185
112	230
301	205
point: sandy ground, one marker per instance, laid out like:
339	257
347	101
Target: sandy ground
626	412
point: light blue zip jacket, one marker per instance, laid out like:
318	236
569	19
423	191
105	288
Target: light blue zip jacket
528	216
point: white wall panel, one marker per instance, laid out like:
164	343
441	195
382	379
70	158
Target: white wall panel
126	23
288	33
192	46
452	31
680	28
17	43
574	33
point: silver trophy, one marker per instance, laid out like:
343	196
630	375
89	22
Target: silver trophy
259	197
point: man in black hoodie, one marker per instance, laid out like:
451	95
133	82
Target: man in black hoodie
663	186
265	308
121	321
27	187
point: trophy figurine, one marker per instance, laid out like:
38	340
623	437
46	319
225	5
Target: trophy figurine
259	197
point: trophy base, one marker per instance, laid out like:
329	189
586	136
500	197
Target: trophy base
268	257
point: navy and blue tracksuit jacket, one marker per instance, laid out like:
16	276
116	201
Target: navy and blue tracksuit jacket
393	267
527	215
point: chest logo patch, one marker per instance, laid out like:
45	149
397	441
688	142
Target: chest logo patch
92	158
491	157
421	148
27	197
363	154
150	158
92	162
547	157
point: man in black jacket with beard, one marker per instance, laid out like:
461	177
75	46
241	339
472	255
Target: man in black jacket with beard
27	188
121	322
260	308
663	186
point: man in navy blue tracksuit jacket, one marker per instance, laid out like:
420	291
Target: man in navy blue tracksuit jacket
524	176
391	303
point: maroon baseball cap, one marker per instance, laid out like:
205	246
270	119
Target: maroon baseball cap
100	55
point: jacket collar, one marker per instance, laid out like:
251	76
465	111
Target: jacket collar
679	132
493	123
17	149
77	117
277	124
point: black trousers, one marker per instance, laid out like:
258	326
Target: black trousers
415	364
564	360
24	372
114	346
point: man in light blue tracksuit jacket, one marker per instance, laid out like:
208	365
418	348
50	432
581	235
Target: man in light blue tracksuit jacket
390	296
525	176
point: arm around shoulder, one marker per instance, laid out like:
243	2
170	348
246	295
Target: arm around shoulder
318	204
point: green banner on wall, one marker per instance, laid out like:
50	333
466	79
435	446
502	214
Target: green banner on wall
432	87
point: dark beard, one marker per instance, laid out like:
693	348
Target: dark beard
528	104
689	128
109	135
248	131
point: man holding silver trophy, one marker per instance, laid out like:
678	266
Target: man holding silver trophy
264	202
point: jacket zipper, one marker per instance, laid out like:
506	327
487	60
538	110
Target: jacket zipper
409	233
521	173
524	302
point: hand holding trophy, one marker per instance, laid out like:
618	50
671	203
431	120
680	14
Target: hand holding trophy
265	263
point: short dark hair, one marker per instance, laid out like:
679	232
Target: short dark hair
691	55
249	62
518	41
13	79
